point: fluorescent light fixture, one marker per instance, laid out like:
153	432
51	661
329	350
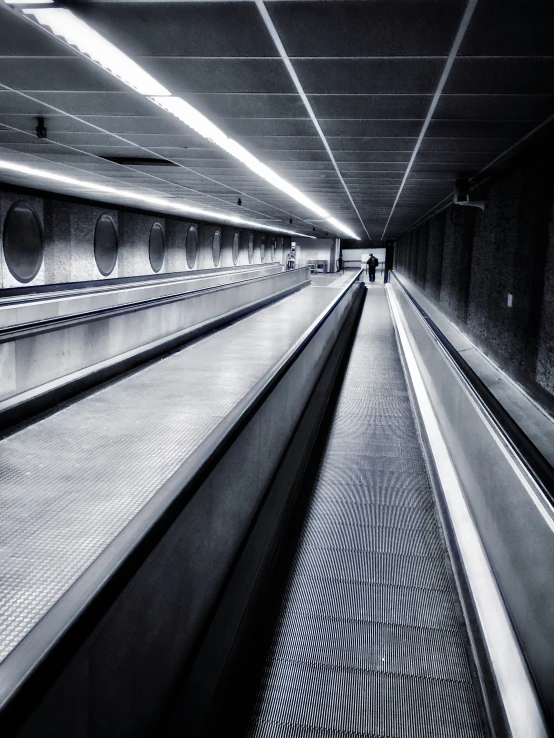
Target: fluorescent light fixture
88	42
202	125
76	33
340	227
199	123
28	2
158	203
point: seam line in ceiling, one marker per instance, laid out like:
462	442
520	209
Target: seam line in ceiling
288	64
464	23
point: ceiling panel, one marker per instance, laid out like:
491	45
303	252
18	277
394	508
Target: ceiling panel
370	106
101	103
478	129
57	74
268	126
370	69
19	37
182	76
181	29
376	28
364	128
369	76
507	76
226	105
495	107
451	144
510	28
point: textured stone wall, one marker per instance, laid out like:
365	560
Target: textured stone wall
545	355
456	261
68	237
472	264
434	256
422	251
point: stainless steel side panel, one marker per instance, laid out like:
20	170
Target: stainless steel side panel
512	515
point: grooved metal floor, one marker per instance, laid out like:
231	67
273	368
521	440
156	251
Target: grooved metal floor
370	639
71	482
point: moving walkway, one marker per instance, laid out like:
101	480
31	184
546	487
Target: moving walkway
322	563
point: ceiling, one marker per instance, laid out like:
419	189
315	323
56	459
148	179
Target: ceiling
371	72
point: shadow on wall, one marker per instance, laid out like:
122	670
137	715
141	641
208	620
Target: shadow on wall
492	272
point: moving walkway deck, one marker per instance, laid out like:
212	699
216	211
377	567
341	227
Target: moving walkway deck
370	640
72	482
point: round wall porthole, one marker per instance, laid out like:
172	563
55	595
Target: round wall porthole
216	247
191	246
156	247
236	249
250	249
23	249
262	249
105	245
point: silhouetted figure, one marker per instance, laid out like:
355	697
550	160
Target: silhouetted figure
372	264
339	264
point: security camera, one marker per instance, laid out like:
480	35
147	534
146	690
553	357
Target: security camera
41	130
461	195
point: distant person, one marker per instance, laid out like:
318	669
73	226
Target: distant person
339	264
372	264
290	260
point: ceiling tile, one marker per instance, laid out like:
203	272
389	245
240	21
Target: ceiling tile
376	28
369	76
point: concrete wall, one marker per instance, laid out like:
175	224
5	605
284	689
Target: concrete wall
355	255
68	236
469	262
315	248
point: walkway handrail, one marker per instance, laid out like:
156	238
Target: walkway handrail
107	284
529	455
36	327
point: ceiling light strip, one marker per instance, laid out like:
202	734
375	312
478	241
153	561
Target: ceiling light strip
252	212
202	125
284	56
470	7
63	24
75	32
157	203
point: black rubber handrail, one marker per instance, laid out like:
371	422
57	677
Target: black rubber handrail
533	460
44	291
36	327
35	662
